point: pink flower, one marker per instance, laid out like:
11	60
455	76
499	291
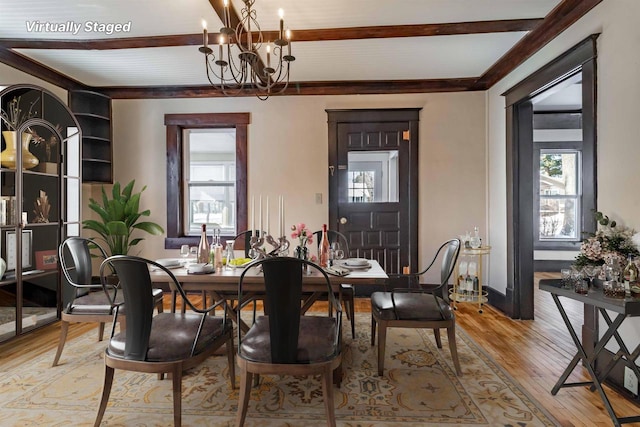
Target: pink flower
294	235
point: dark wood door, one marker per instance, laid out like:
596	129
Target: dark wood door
373	184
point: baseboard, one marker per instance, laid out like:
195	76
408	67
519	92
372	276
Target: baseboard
496	299
551	265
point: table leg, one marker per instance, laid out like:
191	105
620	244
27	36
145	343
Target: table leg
588	361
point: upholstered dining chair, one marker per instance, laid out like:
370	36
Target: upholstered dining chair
165	343
285	342
418	307
91	301
347	290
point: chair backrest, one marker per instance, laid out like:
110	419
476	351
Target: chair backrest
334	236
283	278
137	290
451	250
74	254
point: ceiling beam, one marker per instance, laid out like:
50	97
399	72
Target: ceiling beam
326	34
38	70
299	88
559	19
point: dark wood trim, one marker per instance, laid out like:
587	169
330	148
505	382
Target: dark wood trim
519	152
296	88
496	299
176	124
550	265
204	120
310	35
555	71
559	19
29	66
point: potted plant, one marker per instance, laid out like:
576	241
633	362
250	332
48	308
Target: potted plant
119	218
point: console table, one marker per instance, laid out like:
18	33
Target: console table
627	307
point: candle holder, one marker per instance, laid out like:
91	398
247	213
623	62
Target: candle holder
280	246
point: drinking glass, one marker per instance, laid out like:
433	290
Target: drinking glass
337	252
566	277
184	251
591	271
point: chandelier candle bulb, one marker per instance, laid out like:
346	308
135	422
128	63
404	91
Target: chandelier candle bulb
220	43
288	42
281	14
269	55
205	36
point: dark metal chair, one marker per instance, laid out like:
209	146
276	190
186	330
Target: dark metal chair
285	342
347	290
165	343
92	301
417	307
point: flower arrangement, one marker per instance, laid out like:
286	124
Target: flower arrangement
610	241
14	118
301	232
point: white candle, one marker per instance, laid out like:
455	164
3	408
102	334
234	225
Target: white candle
280	216
253	213
283	220
260	213
267	229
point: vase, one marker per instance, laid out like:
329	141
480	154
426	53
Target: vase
9	156
302	252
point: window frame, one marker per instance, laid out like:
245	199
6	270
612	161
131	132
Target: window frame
557	148
176	124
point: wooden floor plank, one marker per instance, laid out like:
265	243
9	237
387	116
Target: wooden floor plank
534	352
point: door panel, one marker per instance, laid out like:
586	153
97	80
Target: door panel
373	187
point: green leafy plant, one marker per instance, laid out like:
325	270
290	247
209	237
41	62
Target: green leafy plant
119	218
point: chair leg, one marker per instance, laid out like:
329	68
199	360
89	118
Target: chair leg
382	341
231	359
100	331
174	296
64	329
351	314
451	335
327	393
373	330
243	400
106	391
436	334
177	395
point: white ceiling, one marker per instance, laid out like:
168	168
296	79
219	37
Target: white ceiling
436	57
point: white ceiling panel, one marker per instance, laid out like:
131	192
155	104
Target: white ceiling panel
400	58
405	58
182	65
147	17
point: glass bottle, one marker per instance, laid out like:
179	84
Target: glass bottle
203	246
217	261
630	275
475	242
229	255
323	257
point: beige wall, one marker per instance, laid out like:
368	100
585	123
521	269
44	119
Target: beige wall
288	153
618	110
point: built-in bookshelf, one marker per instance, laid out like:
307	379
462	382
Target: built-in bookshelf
93	111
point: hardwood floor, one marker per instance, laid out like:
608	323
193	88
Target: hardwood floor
533	352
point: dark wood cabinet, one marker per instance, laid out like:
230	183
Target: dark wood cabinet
93	112
40	190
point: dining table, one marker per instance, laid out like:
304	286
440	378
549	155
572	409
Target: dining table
222	284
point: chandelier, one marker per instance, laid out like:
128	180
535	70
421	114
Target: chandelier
239	66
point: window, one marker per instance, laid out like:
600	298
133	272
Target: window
206	175
210	167
559	190
373	176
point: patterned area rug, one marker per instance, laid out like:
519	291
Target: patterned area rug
419	388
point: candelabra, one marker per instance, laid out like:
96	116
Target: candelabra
280	246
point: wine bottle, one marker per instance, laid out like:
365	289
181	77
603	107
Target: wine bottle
218	252
630	275
324	248
203	246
